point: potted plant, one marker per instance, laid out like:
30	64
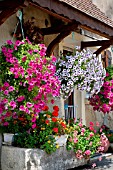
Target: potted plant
27	82
48	132
84	141
81	70
103	101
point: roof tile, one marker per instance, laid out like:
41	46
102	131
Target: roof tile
87	7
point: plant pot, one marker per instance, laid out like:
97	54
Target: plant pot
61	140
8	138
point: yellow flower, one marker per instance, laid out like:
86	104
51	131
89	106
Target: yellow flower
49	141
66	129
42	128
57	146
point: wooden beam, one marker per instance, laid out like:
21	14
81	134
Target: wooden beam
101	49
60	37
95	43
50	12
58	29
8	5
5	14
98	32
56	41
10	11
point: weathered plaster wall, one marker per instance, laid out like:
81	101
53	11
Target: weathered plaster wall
7	28
105	6
40	17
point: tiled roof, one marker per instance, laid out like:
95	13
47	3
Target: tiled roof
87	7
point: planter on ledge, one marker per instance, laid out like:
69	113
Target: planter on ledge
14	158
61	140
8	138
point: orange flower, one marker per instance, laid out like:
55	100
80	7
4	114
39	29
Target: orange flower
45	108
56	108
55	113
48	116
15	122
55	130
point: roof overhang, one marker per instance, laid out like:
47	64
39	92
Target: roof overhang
73	17
68	13
60	10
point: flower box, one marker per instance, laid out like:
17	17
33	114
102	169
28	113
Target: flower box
14	158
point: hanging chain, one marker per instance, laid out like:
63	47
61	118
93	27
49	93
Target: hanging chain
20	16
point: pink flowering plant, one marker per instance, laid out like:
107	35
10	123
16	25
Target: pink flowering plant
84	141
27	80
103	101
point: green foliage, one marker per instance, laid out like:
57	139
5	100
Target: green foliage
82	140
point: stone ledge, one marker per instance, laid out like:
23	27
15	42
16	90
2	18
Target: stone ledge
14	158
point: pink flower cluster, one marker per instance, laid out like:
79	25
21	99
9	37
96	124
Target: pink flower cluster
103	101
84	140
104	143
29	78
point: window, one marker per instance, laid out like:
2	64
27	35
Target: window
70	108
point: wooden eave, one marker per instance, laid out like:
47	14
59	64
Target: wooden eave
60	10
73	18
9	8
67	13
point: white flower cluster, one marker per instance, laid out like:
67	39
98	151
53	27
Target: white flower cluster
83	70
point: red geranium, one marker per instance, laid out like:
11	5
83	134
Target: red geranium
46	121
63	124
55	130
55	113
56	108
45	108
91	124
54	119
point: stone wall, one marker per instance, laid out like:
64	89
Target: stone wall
13	158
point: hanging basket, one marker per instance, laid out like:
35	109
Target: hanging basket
81	70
